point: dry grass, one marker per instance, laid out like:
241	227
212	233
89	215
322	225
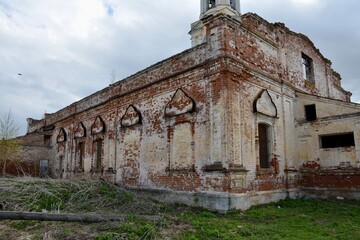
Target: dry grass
75	196
70	196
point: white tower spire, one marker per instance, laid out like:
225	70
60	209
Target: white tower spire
231	7
209	8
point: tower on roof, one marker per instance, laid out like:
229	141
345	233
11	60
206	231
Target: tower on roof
212	8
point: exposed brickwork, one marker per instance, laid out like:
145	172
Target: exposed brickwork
341	178
190	123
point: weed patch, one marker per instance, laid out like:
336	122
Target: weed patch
22	225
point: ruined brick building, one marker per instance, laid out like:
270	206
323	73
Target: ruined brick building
251	113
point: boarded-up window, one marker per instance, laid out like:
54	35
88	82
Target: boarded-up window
338	140
264	146
182	147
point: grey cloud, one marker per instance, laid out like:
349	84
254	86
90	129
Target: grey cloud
60	67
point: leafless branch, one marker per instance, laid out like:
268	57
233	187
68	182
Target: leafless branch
8	127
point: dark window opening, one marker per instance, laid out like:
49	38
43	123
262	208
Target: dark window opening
81	155
264	143
336	141
310	112
98	154
211	4
308	70
47	140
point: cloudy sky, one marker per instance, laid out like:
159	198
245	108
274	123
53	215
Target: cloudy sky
55	52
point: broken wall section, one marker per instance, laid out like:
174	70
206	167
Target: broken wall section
279	53
329	154
35	151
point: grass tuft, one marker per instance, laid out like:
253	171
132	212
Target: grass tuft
63	195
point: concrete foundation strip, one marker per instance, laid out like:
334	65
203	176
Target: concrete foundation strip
61	217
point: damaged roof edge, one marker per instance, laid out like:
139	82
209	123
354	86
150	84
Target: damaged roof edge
119	84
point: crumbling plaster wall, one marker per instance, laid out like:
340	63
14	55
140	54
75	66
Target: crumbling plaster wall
333	117
257	70
286	64
140	154
211	146
271	58
325	107
282	133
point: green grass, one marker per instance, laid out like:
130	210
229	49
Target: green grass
287	219
22	225
134	228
